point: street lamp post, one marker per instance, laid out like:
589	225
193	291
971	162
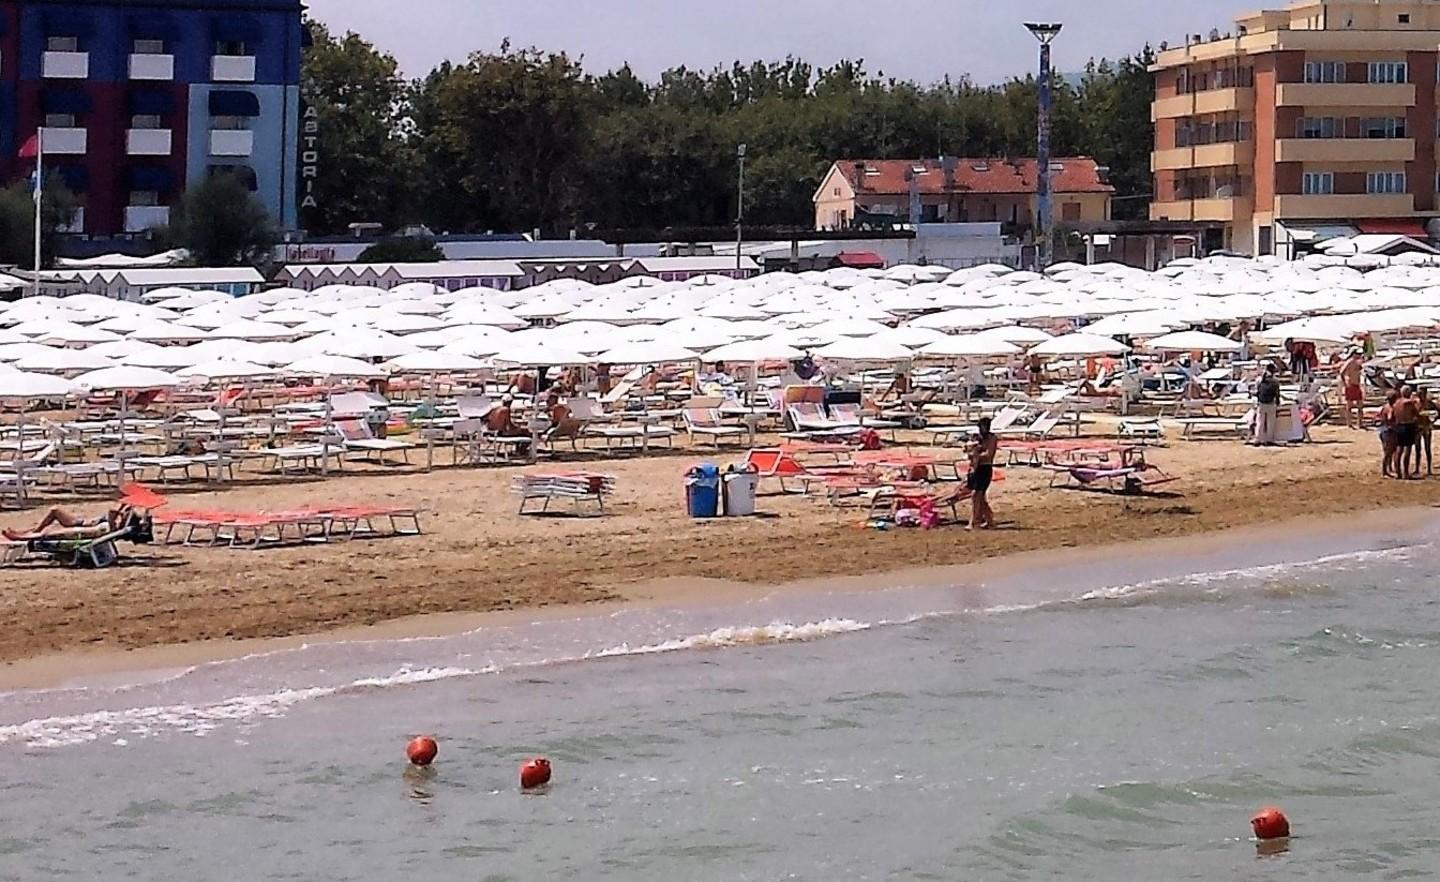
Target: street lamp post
1046	34
740	209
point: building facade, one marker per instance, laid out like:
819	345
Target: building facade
1320	116
860	192
139	99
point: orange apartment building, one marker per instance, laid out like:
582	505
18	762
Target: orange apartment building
1320	115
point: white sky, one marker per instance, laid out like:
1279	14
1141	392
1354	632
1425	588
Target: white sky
913	39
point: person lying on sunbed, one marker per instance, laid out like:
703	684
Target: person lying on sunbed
59	523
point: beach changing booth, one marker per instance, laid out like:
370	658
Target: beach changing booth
741	484
702	491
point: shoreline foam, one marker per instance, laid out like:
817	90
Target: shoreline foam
972	585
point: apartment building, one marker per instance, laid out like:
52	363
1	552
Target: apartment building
1320	116
139	98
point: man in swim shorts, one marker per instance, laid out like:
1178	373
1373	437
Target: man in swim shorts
1407	419
1352	377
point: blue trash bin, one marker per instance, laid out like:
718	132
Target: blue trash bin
702	491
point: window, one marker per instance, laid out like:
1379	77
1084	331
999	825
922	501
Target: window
1383	127
1324	71
1388	72
1404	18
148	47
231	47
62	44
231	123
1318	184
1385	182
59	120
837	189
146	121
144	198
1321	127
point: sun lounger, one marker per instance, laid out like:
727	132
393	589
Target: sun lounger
1236	427
1132	475
578	487
1146	428
705	423
211	465
359	439
887	502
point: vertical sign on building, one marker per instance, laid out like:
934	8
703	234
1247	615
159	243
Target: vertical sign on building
309	155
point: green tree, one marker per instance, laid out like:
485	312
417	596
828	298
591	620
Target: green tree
402	249
221	223
17	221
1117	127
359	102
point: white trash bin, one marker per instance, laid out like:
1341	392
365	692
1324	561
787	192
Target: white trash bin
740	491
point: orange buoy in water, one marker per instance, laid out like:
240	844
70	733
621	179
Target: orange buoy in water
1270	823
422	750
534	773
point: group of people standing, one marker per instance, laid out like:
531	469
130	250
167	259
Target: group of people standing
1406	425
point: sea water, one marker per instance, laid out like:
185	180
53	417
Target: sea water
1086	722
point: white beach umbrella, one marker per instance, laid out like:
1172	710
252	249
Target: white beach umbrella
361	343
538	353
165	357
435	362
126	378
20	384
1135	324
1079	346
12	352
251	330
1017	334
335	367
226	369
648	352
155	331
865	349
770	349
1192	341
120	349
63	361
969	346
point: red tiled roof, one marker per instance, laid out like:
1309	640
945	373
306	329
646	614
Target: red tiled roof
1071	174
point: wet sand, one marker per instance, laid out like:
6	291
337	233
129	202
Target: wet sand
479	557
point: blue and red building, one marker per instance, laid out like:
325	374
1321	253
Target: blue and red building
140	98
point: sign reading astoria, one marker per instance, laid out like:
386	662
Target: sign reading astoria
309	156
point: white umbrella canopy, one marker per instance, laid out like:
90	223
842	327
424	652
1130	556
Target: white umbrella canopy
155	331
865	349
335	366
273	354
1134	324
480	313
436	362
857	327
227	369
63	361
168	357
19	384
1192	341
120	349
402	322
1079	346
1017	334
770	349
648	352
1321	329
290	316
910	335
12	352
252	330
361	343
969	346
538	353
126	378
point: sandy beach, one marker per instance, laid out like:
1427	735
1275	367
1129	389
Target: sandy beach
479	556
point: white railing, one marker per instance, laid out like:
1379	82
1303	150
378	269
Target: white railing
233	68
232	142
65	141
147	142
152	67
65	65
139	218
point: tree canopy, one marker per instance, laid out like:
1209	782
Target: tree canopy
17	221
221	223
521	139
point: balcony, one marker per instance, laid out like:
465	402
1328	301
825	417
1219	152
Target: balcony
1203	156
70	142
1211	101
1345	150
65	65
1214	209
233	68
1376	95
147	142
152	67
139	218
232	142
1345	206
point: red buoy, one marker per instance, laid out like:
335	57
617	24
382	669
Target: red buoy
1270	823
534	773
422	750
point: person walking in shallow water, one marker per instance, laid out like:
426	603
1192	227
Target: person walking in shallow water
982	474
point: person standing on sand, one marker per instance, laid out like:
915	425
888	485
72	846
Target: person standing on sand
982	474
1267	405
1387	434
1425	427
1407	430
1352	376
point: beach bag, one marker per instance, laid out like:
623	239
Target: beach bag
869	439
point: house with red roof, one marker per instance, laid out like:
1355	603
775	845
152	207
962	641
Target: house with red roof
863	192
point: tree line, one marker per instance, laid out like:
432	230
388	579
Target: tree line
520	139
